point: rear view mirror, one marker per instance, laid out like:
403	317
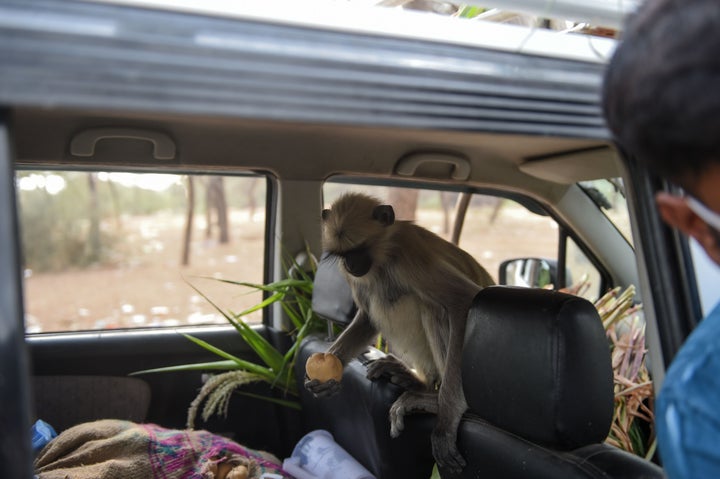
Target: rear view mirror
528	272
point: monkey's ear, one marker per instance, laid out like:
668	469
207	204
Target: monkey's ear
325	214
384	214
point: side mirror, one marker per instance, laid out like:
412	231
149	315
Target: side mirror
529	272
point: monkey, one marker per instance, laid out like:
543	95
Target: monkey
415	289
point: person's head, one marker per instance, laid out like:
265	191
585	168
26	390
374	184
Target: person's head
661	100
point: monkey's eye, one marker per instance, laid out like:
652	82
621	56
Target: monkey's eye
325	214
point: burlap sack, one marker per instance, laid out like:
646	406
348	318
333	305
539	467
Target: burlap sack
114	449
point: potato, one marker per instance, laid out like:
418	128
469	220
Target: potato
324	367
240	472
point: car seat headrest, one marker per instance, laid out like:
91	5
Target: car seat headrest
537	363
332	299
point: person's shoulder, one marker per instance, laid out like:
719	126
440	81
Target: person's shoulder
698	361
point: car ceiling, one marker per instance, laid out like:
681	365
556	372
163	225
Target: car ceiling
306	151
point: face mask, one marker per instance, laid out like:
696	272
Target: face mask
706	214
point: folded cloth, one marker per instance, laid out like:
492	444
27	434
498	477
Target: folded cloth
115	449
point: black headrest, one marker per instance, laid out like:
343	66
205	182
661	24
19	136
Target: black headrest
332	298
536	363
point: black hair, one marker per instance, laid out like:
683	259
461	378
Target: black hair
661	95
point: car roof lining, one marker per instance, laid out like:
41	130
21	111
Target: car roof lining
304	151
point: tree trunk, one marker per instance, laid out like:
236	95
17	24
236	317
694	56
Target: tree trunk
222	211
187	237
216	201
252	205
404	202
94	242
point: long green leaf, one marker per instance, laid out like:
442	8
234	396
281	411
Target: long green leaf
279	285
263	304
281	402
292	314
210	366
250	366
266	351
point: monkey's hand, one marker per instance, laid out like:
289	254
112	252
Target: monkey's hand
446	453
322	389
393	369
411	402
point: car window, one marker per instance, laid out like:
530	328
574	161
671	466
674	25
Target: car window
495	229
707	277
498	229
107	250
583	274
609	195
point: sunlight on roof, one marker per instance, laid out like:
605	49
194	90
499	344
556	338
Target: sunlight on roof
575	29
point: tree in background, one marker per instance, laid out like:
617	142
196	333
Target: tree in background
404	201
216	202
189	216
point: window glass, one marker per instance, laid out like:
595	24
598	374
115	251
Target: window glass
580	269
707	276
108	250
609	195
497	229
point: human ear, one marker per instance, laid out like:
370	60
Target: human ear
676	213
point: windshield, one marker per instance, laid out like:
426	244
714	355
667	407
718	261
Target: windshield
609	195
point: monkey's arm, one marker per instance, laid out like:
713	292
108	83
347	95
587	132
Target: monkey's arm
451	400
453	297
353	341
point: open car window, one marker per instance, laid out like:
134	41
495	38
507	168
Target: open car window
106	250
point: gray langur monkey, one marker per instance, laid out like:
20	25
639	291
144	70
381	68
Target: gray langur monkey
415	289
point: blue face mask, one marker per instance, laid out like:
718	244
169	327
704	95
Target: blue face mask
704	213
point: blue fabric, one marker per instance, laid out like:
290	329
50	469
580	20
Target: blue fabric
688	407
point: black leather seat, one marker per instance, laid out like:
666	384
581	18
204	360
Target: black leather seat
358	417
538	381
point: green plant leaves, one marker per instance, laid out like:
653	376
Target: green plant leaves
294	294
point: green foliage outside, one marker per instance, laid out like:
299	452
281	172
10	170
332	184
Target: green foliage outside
82	224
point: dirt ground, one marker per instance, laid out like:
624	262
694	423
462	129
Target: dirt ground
150	288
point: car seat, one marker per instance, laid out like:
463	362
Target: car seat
538	381
358	416
66	401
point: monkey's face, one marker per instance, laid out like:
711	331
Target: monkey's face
352	229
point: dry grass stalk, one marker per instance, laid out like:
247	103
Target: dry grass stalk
218	390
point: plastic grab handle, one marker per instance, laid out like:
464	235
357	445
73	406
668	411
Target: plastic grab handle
83	144
409	164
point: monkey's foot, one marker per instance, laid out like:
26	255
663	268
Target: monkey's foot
446	453
322	389
411	402
396	371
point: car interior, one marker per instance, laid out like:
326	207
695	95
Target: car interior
97	88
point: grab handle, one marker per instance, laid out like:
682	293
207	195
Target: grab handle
83	144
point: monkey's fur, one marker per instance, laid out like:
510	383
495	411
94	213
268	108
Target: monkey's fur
415	289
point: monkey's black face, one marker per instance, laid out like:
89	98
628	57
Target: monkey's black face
357	261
